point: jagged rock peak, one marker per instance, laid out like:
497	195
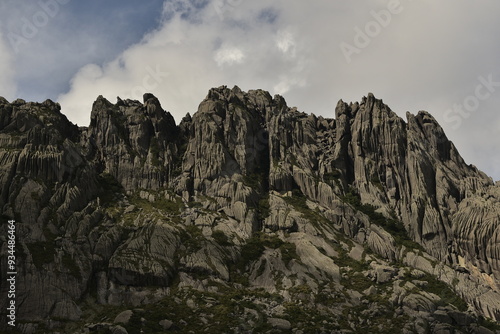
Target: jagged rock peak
224	93
258	99
101	103
51	104
187	118
151	107
148	96
18	102
24	116
369	104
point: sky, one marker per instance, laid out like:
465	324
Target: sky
439	56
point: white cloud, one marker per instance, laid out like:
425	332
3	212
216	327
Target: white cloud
192	53
285	42
427	57
7	82
229	55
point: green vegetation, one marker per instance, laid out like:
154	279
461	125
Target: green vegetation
393	226
299	203
302	288
330	298
375	180
221	238
379	321
160	208
445	292
221	311
252	250
344	260
256	245
334	176
356	281
310	319
195	204
160	203
490	324
440	289
192	238
353	269
253	181
288	252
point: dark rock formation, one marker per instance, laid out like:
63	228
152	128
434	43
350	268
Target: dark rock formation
248	216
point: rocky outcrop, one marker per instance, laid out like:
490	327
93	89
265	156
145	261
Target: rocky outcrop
132	141
410	169
45	182
476	229
247	216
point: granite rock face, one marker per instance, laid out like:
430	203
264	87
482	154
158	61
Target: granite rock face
293	222
476	231
132	141
407	168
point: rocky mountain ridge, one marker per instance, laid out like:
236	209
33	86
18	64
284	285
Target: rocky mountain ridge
248	216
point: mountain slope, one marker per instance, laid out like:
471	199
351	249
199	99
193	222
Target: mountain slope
247	216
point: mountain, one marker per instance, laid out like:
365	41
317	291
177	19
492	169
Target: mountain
247	217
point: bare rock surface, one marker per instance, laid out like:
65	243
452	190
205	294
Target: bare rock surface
247	216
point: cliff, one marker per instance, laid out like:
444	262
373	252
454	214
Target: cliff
248	216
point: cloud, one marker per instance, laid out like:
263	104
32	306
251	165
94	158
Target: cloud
193	49
424	55
7	82
229	55
52	39
285	42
